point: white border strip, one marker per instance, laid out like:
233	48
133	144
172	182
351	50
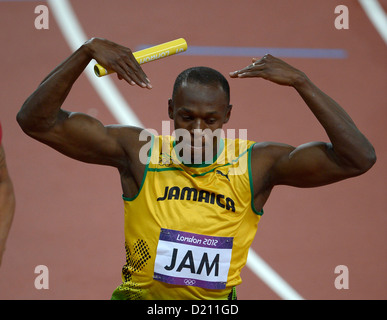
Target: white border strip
376	14
271	278
75	37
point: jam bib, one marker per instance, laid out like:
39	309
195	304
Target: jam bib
191	259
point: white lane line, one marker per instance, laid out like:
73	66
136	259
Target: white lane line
376	14
271	278
75	37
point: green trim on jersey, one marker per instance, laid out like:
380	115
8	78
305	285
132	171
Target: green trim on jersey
201	165
252	184
145	172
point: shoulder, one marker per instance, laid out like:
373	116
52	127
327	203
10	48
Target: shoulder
270	151
130	140
129	137
264	158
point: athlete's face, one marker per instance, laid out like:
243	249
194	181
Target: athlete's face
200	110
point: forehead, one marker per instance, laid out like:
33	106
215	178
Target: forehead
194	93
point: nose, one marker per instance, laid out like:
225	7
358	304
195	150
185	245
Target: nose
198	133
197	129
198	124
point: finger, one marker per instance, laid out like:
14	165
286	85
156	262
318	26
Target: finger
250	69
128	69
137	71
131	73
256	74
122	74
137	76
235	74
264	59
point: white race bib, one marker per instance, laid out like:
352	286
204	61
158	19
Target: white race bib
192	259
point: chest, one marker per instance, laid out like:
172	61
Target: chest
215	189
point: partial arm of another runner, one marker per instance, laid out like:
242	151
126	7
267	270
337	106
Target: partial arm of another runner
7	202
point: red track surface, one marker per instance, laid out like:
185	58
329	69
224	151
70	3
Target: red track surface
69	215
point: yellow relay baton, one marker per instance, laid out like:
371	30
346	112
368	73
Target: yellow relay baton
150	54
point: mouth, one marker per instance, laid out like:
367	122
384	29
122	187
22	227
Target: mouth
198	145
197	148
195	152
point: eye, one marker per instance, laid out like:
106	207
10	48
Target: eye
211	121
186	117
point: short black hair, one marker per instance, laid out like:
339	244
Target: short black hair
202	75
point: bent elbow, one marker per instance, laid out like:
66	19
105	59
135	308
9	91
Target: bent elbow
367	162
21	120
371	159
32	123
24	123
28	125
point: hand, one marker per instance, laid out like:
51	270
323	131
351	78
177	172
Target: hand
272	69
119	59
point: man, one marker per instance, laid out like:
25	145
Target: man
188	226
7	200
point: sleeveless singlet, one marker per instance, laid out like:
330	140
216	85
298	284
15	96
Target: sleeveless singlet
189	228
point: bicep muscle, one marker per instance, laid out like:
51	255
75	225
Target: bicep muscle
309	165
83	138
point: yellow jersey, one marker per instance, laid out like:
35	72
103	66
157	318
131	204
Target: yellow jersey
189	228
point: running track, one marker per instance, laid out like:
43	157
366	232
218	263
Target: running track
69	215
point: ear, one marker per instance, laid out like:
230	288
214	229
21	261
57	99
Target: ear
228	113
170	108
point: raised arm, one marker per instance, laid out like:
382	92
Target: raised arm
74	134
348	153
